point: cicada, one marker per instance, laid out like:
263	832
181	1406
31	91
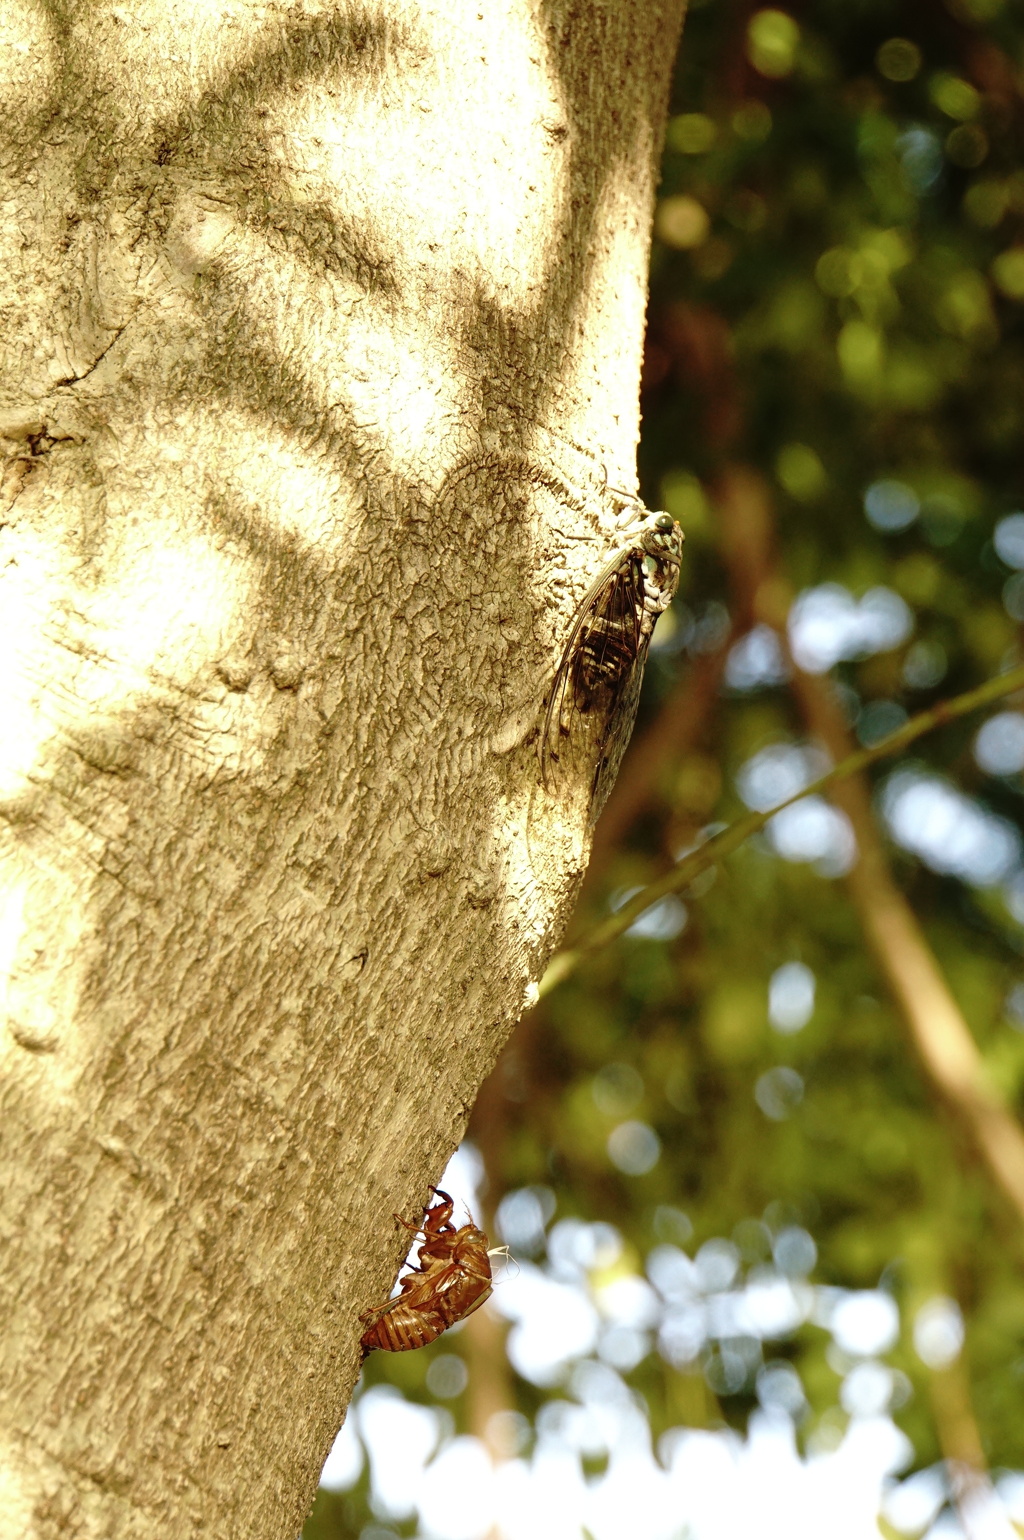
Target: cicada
452	1280
596	688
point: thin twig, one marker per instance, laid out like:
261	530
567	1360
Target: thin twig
723	844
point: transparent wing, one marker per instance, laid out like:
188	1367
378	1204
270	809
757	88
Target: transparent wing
596	685
618	731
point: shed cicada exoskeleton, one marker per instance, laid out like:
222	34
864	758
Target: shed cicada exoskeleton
452	1279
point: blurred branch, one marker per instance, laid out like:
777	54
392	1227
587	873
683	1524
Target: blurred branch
931	1268
937	1026
970	1484
729	839
938	1029
489	1389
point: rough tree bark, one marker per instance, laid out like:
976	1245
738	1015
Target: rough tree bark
320	348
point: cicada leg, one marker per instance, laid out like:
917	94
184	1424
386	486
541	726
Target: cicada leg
407	1224
374	1313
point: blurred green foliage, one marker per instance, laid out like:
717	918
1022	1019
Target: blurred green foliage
837	300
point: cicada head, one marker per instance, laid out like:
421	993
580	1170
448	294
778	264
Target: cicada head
662	538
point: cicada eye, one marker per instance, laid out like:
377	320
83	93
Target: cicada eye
664	522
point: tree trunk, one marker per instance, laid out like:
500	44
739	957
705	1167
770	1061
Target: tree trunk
321	343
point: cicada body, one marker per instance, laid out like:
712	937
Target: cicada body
596	688
452	1280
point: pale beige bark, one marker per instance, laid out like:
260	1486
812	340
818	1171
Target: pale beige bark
320	339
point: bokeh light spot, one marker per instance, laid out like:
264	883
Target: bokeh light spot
716	1264
999	745
779	1389
925	665
791	997
681	222
898	59
779	1092
801	472
865	1323
447	1376
634	1148
691	133
891	505
867	1390
616	1089
920	153
794	1251
522	1216
938	1332
671	1224
1008	539
967	146
756	661
951	832
752	121
772	41
1008	272
954	96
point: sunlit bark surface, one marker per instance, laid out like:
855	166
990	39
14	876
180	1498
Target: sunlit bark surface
320	346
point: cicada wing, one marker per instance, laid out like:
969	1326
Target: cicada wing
573	715
561	698
593	694
617	733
